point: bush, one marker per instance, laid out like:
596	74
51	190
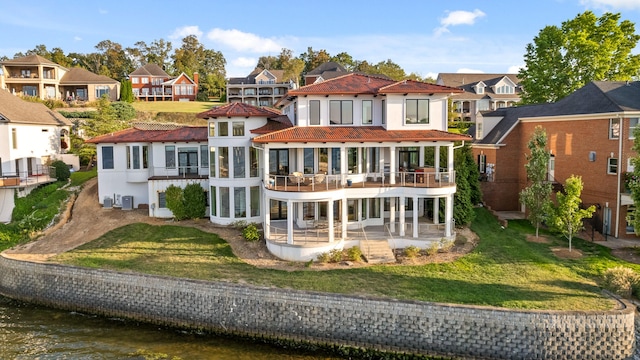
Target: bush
446	245
239	224
195	201
621	280
62	170
323	258
175	201
335	255
433	248
354	253
411	251
251	233
123	110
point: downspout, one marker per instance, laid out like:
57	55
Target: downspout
621	120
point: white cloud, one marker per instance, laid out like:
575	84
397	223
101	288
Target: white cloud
515	69
244	62
103	11
77	38
185	31
459	17
469	71
242	41
612	4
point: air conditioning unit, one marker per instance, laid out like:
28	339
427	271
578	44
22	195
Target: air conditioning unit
107	203
127	202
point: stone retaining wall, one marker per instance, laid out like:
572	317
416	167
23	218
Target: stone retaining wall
471	332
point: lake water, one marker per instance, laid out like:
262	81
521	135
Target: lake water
33	332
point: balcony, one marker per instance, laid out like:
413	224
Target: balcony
298	182
41	175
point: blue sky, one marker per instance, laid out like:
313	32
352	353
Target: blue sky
422	36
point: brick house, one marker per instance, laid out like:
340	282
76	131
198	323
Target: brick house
590	134
151	83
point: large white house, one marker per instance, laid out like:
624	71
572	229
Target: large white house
351	160
31	136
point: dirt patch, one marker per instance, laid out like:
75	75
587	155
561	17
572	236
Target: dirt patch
84	220
630	254
564	253
541	239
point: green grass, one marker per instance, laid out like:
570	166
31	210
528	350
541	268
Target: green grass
174	106
504	270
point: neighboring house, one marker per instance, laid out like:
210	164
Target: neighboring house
590	134
34	75
260	88
482	92
350	160
31	136
151	83
326	71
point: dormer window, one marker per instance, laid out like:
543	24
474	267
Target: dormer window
480	88
505	89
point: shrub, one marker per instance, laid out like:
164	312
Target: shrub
433	248
195	201
123	110
446	245
62	170
335	255
411	251
239	224
621	280
323	258
354	253
175	201
251	233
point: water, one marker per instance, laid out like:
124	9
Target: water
32	332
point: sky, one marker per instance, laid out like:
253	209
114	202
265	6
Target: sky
425	37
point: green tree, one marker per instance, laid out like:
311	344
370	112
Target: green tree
115	62
62	172
104	121
587	48
126	92
467	186
195	202
174	196
567	215
634	185
536	197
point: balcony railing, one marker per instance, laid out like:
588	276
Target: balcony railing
41	175
322	182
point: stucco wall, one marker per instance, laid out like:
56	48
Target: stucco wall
405	326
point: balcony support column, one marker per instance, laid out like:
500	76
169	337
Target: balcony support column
436	210
344	218
402	219
416	208
267	217
392	214
330	220
392	164
290	216
449	216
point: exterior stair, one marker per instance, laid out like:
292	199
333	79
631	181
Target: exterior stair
377	252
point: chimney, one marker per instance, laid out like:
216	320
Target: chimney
196	78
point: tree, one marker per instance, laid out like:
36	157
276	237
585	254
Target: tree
467	186
193	57
584	49
106	119
536	197
567	216
195	201
126	92
174	196
114	60
634	184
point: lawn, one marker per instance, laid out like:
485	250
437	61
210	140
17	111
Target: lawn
504	270
174	106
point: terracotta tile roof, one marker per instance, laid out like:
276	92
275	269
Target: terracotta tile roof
82	76
139	134
354	83
15	110
355	134
238	109
274	124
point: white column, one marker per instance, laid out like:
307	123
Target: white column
402	221
290	215
267	217
436	210
415	216
436	160
344	216
265	157
330	220
392	164
450	162
392	214
421	156
343	164
449	216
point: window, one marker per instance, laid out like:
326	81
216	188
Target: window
341	112
367	113
254	192
238	162
240	202
254	160
162	200
631	209
170	157
238	128
101	90
335	160
314	112
374	208
479	89
352	160
204	156
224	162
212	161
504	89
384	112
224	202
212	129
612	166
417	111
214	211
614	128
25	73
145	80
14	138
223	129
308	161
482	163
633	124
136	157
145	157
135	80
107	157
30	90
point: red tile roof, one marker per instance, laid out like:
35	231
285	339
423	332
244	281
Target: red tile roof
352	84
355	134
179	134
238	109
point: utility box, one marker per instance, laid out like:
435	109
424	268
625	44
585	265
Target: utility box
127	202
107	203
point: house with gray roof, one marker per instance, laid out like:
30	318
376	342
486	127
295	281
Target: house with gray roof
590	134
31	136
482	92
262	87
151	83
